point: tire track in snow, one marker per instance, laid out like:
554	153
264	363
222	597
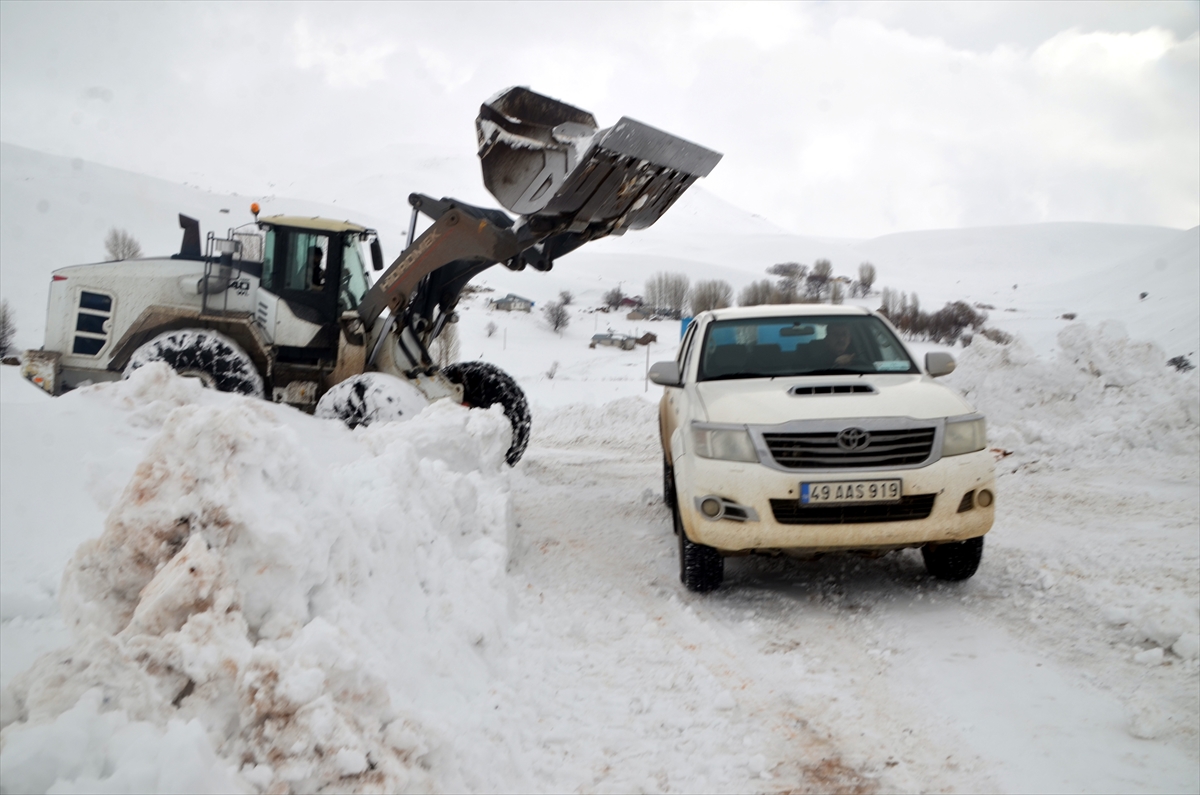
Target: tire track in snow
673	696
838	668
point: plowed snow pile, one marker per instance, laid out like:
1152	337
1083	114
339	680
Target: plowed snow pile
289	607
1104	395
1109	419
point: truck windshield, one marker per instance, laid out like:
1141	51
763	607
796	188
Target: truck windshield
767	347
354	276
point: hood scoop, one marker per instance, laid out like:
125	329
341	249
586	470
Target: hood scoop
832	389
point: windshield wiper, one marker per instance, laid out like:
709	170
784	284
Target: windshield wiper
728	376
833	371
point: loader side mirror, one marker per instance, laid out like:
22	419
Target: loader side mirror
376	255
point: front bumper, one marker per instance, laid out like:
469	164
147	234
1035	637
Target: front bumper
755	486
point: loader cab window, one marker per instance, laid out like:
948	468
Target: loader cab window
299	264
354	276
306	261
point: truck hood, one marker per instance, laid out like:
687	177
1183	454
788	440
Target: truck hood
768	401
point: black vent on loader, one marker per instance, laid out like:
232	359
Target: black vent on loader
190	248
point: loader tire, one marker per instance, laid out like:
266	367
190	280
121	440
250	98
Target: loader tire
485	385
370	398
217	361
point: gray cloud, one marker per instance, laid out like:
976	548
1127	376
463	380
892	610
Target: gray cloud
850	119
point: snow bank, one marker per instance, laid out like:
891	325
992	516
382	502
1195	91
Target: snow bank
276	591
1105	395
624	424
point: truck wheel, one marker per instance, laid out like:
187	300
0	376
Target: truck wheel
216	360
701	568
954	561
668	484
485	385
369	398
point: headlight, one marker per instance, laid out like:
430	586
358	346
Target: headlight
964	436
727	444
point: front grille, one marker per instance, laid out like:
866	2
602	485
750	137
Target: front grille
914	506
820	450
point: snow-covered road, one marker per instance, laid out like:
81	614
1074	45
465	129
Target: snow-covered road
843	673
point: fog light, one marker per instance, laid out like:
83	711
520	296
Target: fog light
711	507
985	498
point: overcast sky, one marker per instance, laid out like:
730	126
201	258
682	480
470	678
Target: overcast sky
842	119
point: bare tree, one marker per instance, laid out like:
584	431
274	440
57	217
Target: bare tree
566	297
445	347
667	291
866	277
889	305
556	315
490	328
120	245
8	327
613	298
790	274
757	293
836	293
710	294
818	280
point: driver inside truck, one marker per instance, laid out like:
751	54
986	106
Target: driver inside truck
315	255
837	349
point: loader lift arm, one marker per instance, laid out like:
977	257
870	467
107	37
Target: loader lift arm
569	182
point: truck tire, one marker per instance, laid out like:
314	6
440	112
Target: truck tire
217	361
485	385
701	568
668	484
955	561
370	398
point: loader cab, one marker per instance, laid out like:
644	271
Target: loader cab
314	267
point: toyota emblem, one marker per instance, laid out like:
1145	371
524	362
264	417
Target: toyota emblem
853	439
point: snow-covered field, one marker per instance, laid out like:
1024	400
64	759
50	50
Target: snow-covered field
200	592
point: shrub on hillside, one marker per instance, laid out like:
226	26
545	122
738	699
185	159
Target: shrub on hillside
557	315
757	294
710	294
120	245
8	327
1181	363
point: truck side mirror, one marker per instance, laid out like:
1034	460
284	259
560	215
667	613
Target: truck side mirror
666	374
939	363
376	255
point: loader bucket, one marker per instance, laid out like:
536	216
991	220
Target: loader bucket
542	157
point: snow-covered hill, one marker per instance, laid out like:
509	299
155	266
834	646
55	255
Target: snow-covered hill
55	211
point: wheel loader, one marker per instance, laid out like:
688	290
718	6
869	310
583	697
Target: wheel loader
283	309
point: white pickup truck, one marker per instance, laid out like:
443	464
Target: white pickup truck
811	428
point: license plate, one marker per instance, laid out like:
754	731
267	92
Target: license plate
850	491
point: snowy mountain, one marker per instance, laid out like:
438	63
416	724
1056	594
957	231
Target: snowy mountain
55	211
203	592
